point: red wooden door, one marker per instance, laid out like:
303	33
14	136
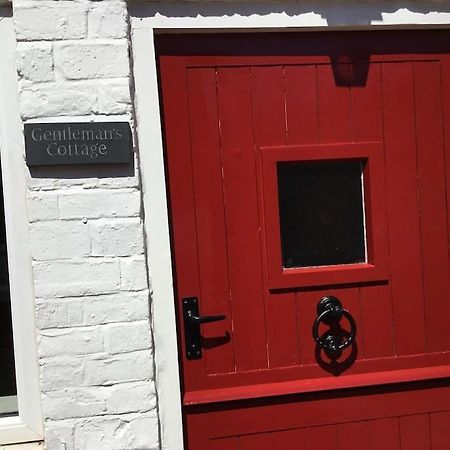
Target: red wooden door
237	110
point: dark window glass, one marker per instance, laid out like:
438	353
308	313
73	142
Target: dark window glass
8	401
321	213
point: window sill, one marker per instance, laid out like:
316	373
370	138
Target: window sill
14	431
26	446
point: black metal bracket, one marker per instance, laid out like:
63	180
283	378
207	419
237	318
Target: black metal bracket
192	322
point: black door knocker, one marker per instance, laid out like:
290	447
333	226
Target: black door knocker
330	312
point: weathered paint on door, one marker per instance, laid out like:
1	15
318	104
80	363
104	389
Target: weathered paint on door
236	105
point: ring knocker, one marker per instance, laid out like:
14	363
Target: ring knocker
330	312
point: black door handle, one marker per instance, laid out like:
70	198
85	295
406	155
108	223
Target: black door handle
192	322
202	319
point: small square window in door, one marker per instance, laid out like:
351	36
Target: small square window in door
324	214
321	213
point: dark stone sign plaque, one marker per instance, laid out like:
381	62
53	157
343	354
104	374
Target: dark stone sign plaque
51	144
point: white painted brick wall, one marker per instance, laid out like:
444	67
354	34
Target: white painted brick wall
133	274
94	204
105	59
59	240
93	310
116	237
120	368
107	20
87	243
35	61
43	20
86	276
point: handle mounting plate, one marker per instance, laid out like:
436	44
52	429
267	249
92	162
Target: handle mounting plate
191	330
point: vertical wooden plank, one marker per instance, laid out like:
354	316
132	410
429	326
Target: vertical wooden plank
334	107
384	434
350	298
445	83
432	204
307	313
301	105
375	330
176	113
194	428
210	219
289	440
281	316
268	105
268	98
440	430
404	234
334	125
321	438
415	432
257	441
353	436
242	218
366	107
225	444
377	333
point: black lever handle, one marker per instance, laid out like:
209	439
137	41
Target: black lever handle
198	320
192	322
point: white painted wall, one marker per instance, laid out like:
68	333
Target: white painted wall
86	235
103	381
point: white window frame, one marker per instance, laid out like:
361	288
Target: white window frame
27	425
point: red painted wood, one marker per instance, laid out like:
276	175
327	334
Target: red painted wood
376	267
218	112
404	231
415	364
289	440
225	444
261	442
377	331
313	410
353	436
321	438
415	432
432	204
281	388
366	108
269	128
242	218
350	298
307	312
287	47
282	329
445	92
440	430
334	108
301	105
268	105
210	219
384	434
183	217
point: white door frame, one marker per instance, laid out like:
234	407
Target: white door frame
162	17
